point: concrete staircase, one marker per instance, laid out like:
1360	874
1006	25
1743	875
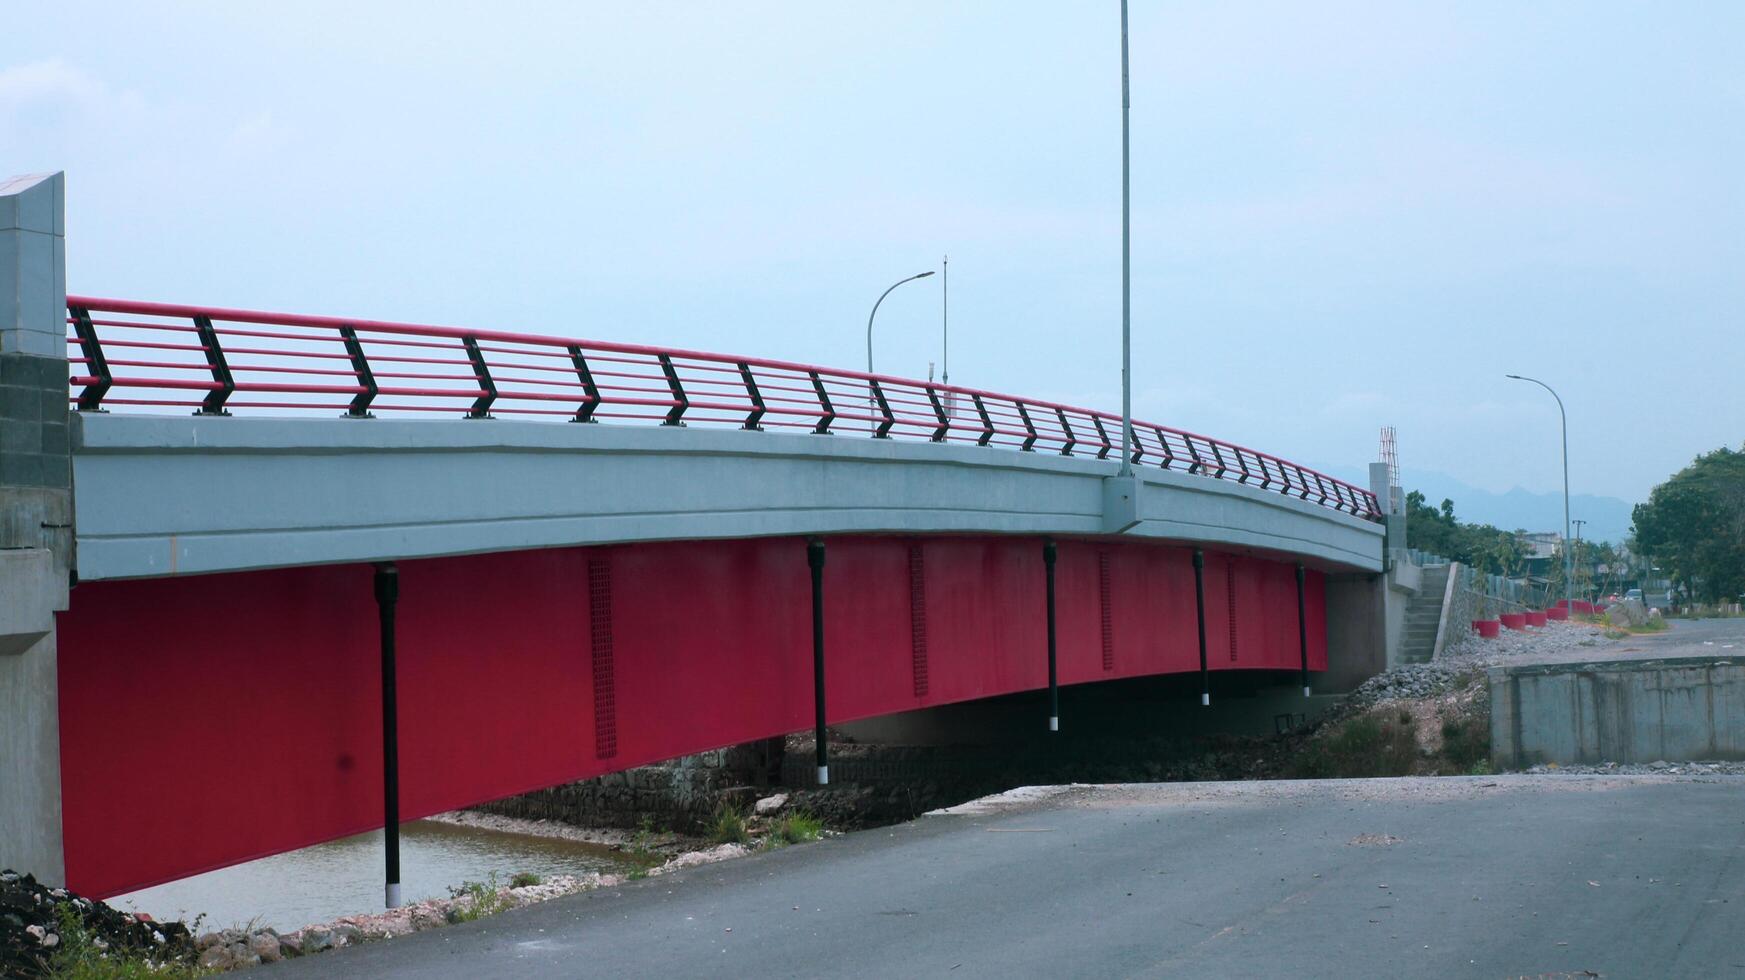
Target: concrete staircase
1423	614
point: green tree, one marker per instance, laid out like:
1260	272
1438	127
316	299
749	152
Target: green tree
1438	531
1694	525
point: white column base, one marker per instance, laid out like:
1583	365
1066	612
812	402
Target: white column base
1206	699
393	895
824	775
1306	691
1054	723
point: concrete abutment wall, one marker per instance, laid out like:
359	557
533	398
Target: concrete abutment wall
35	519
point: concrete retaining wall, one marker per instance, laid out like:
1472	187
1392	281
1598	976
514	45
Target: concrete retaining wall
1618	711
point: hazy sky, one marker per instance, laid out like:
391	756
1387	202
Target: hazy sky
1345	214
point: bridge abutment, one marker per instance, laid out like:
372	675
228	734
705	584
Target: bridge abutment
36	539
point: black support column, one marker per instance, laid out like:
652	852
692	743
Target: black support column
1048	556
1302	631
387	596
815	558
1200	611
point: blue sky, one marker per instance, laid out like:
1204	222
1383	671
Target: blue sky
1345	214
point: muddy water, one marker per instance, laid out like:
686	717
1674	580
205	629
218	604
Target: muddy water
344	877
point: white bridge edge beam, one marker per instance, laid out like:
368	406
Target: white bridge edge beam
175	495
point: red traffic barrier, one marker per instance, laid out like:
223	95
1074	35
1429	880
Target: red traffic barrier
1558	613
1535	618
1515	621
1489	628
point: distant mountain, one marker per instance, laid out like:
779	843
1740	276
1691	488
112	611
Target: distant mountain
1608	518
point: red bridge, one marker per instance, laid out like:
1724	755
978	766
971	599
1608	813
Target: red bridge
337	573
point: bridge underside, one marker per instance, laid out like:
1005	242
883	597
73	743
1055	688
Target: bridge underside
207	720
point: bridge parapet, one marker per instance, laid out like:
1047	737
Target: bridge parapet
155	356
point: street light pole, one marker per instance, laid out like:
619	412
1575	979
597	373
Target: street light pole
945	334
1126	267
1578	522
1563	417
875	312
869	326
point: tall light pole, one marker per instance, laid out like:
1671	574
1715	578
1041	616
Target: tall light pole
1563	417
945	334
869	326
1578	522
1126	268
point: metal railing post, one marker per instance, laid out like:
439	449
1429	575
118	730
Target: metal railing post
482	374
213	404
590	390
360	369
96	366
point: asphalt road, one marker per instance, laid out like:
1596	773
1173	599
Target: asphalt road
1498	876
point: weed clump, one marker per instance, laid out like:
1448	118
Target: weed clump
794	828
476	899
727	825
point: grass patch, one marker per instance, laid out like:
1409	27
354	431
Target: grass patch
476	899
1379	742
727	825
524	879
794	828
1466	743
82	956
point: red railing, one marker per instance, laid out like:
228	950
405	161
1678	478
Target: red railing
161	355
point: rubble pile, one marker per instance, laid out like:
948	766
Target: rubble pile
34	917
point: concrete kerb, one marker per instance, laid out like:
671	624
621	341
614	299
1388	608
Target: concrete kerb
1442	619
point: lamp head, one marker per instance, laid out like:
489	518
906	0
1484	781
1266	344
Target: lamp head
925	274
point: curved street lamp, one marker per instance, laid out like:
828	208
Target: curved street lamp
1568	571
875	312
870	411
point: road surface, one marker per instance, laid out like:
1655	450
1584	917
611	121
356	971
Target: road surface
1490	876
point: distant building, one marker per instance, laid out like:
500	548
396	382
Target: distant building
1541	560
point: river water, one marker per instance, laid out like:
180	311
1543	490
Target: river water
344	877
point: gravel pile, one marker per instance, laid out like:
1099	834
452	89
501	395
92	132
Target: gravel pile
31	928
1471	653
1648	769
